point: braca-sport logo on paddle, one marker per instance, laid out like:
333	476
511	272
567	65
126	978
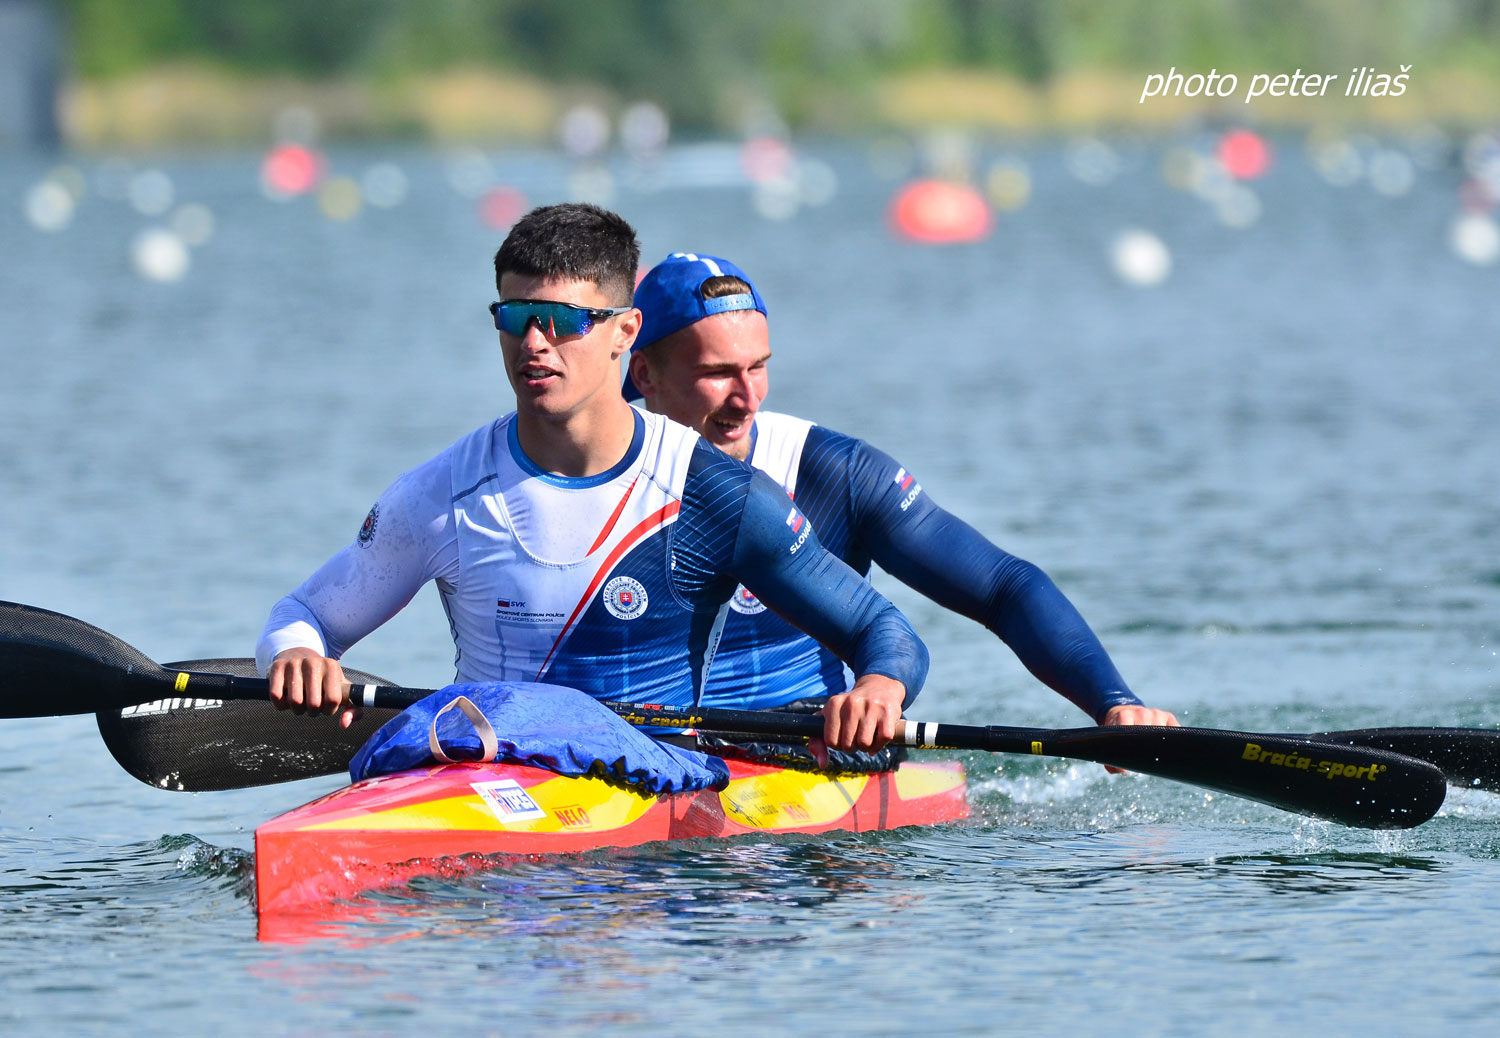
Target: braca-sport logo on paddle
625	598
1332	769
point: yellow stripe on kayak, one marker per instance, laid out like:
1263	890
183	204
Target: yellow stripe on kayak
790	799
574	805
914	781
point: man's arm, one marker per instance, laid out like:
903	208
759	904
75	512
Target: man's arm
405	541
896	523
769	546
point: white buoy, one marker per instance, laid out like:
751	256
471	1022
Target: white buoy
1092	161
470	172
583	131
591	182
384	185
776	199
644	129
1140	258
49	206
1392	173
1238	207
817	183
1337	162
1475	238
158	254
151	192
193	223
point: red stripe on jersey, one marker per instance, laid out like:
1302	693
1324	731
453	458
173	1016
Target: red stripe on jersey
648	525
614	518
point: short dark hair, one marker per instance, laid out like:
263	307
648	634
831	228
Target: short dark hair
724	285
573	240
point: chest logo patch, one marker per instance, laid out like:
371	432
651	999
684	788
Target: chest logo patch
745	602
367	528
625	598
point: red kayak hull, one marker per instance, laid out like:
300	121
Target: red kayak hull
387	830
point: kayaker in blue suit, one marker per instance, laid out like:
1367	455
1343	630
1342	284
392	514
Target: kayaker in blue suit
582	542
701	358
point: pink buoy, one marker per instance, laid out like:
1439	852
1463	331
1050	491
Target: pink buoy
291	169
765	158
1244	155
500	207
940	212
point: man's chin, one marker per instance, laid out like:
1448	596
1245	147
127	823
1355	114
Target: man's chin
738	447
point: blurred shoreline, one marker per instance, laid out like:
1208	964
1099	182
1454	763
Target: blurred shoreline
196	105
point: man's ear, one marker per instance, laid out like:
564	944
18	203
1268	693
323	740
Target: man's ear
627	327
640	374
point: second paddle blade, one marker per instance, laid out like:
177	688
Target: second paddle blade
1358	786
204	744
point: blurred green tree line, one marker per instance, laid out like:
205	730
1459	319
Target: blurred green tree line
685	54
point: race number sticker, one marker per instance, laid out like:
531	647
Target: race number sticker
508	801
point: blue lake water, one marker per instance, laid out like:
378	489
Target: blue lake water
1269	483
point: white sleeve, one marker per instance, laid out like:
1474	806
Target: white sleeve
407	540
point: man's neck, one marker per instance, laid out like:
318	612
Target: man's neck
584	443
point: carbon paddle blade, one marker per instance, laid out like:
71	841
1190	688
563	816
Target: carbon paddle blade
197	745
1353	785
53	664
1468	757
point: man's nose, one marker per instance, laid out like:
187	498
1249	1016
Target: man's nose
744	392
537	336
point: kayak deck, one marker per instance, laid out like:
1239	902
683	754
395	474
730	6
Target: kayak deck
387	830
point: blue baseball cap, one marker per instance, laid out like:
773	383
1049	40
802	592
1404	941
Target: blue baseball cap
670	297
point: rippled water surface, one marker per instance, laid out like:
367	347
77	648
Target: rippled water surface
1269	483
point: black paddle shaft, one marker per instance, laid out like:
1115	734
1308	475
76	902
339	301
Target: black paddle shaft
55	664
1354	785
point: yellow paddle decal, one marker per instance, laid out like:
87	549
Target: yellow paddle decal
1329	768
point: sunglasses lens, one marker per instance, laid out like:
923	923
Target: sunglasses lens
556	320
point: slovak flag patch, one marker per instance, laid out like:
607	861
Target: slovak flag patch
904	479
794	520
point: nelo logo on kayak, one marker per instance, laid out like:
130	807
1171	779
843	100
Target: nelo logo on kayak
625	598
573	817
1332	769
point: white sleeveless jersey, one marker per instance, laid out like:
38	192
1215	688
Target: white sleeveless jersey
779	439
565	580
759	650
777	453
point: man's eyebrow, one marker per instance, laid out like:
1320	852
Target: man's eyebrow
730	365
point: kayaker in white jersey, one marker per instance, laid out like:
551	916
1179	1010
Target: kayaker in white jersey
582	542
701	358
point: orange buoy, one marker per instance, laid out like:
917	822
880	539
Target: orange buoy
940	212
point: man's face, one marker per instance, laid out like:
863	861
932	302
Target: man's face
560	377
711	376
